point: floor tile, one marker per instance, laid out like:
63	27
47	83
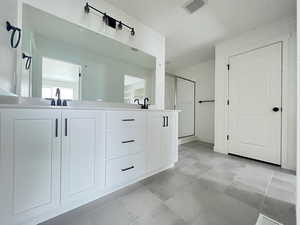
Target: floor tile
66	219
281	194
195	170
209	218
112	213
283	184
255	179
219	176
141	202
250	198
166	186
281	211
162	216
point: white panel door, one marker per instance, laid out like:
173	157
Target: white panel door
83	153
30	162
185	101
255	95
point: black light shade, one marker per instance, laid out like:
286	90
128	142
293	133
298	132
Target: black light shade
105	19
87	8
120	25
132	32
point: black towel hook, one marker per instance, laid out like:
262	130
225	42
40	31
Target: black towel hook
28	61
15	30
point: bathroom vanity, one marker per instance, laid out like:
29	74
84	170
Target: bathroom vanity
72	133
54	159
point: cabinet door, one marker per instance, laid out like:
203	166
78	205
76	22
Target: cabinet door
154	139
83	153
169	139
30	163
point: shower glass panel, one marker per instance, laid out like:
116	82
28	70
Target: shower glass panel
180	95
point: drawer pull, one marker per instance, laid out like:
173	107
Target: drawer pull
66	127
128	120
129	168
56	127
130	141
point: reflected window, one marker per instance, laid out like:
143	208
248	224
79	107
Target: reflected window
62	75
134	88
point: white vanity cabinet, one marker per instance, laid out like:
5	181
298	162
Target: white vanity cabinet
169	143
30	163
155	123
162	143
54	160
126	133
83	153
126	140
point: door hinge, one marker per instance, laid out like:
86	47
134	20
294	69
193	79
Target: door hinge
227	137
228	102
228	66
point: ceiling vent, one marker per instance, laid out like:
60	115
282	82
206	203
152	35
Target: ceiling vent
193	5
263	220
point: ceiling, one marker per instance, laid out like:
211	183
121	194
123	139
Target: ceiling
190	38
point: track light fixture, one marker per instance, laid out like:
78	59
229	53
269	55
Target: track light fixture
108	20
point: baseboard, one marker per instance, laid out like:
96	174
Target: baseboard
218	150
187	140
206	141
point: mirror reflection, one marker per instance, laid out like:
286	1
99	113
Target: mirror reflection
81	64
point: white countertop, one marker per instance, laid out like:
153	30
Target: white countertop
37	103
23	106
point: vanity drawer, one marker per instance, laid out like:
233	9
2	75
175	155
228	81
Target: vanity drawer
127	119
122	170
125	142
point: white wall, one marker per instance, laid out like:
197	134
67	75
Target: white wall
146	39
204	75
285	31
170	92
8	12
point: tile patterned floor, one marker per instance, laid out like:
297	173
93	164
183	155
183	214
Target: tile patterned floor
204	188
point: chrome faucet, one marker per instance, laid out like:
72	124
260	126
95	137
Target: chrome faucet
57	94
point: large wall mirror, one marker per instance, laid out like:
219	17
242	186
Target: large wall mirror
83	64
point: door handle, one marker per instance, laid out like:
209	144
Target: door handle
66	127
129	168
130	141
167	121
276	109
56	127
164	122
